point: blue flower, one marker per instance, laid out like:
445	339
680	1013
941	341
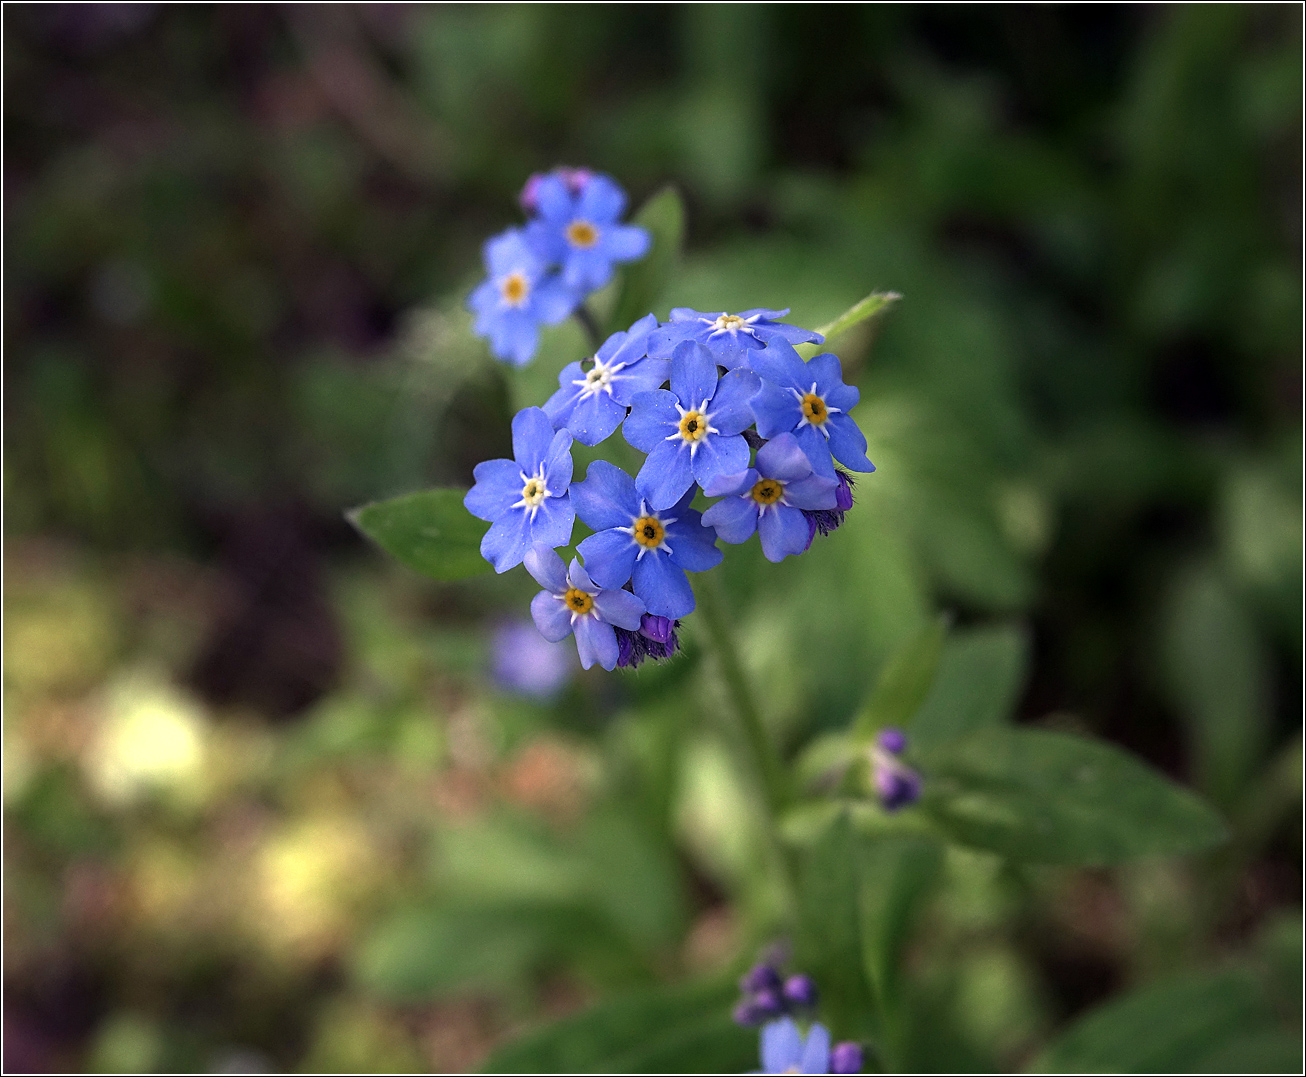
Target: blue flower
770	499
731	338
518	296
786	1050
581	231
574	178
694	431
652	547
572	604
811	401
525	498
591	404
527	665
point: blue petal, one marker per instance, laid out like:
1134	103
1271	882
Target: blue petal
666	474
782	1045
731	484
552	301
816	448
547	238
606	498
693	374
498	487
791	334
553	201
848	443
663	587
693	546
532	437
636	342
663	342
828	375
688	314
595	642
601	201
557	461
544	564
507	541
816	1051
652	417
609	556
619	608
641	377
780	364
734	518
579	578
587	270
719	455
558	407
783	531
551	617
511	252
767	315
484	297
783	458
594	418
733	350
730	409
813	492
514	337
776	409
625	243
553	522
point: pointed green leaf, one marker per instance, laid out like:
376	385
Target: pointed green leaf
643	282
904	682
980	675
430	532
874	304
1052	798
897	874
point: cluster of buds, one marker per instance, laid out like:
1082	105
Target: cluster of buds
896	784
767	996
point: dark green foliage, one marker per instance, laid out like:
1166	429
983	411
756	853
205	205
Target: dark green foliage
430	532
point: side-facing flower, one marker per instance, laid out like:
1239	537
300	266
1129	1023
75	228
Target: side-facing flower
591	403
526	498
770	499
573	604
581	229
655	640
693	431
517	298
653	548
827	520
786	1050
810	401
731	338
896	784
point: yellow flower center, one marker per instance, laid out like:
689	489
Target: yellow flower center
814	410
649	532
534	492
767	491
578	601
515	288
729	321
693	426
582	234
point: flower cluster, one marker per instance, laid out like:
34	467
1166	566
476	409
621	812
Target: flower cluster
721	404
771	1002
896	784
540	274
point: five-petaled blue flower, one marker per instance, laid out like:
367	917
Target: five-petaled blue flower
572	604
786	1050
517	298
811	401
770	499
652	547
694	431
581	229
525	498
591	403
731	338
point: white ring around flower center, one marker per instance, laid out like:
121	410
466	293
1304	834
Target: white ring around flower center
598	379
533	492
704	427
805	421
642	542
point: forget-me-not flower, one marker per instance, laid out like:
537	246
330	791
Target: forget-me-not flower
694	431
518	297
582	230
651	547
591	403
572	604
786	1050
810	401
770	499
526	498
730	338
527	665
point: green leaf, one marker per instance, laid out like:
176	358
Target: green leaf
1213	1023
897	873
684	1029
1052	798
873	304
980	676
430	532
904	682
643	282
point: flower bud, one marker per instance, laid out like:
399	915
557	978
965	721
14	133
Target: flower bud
800	990
892	739
761	977
846	1057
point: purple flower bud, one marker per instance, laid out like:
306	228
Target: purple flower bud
576	179
801	990
658	629
892	739
898	785
529	197
846	1057
747	1014
769	1002
761	977
811	529
656	639
843	496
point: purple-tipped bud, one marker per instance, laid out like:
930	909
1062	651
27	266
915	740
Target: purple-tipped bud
892	739
843	496
574	178
769	1002
655	639
846	1057
625	646
529	197
897	785
800	990
761	977
658	629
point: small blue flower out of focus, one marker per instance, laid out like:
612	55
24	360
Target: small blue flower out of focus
572	604
526	664
730	338
896	783
579	227
518	298
786	1050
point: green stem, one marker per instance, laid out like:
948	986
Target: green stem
585	316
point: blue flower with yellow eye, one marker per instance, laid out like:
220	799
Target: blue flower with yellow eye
573	604
653	548
694	431
810	401
526	499
579	226
519	296
770	499
730	338
591	403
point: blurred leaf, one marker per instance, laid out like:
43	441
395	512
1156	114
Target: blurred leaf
643	282
980	675
904	682
873	304
1052	798
668	1030
430	532
897	873
1195	1024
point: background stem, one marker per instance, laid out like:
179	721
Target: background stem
585	316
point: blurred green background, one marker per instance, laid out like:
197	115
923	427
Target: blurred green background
266	806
